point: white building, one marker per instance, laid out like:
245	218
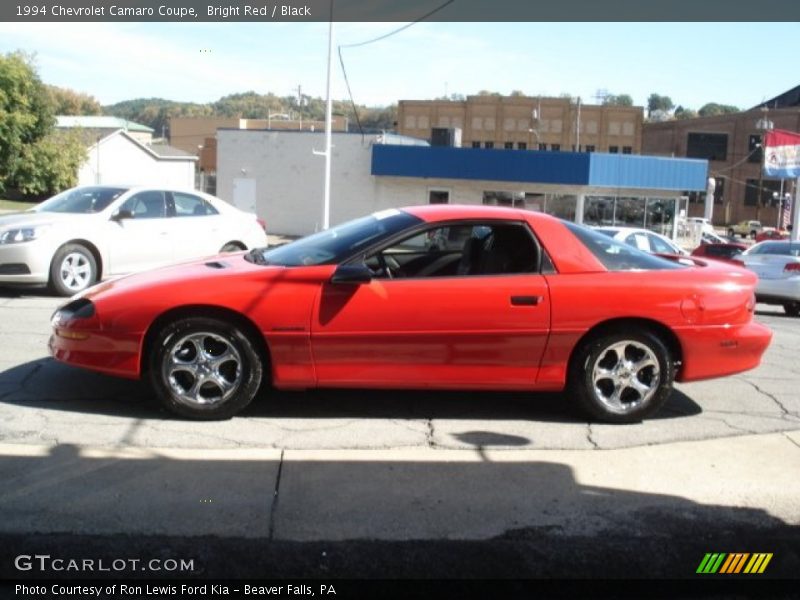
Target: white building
277	175
119	158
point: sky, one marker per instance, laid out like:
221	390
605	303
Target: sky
692	63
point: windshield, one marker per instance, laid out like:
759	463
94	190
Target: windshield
81	200
618	256
334	245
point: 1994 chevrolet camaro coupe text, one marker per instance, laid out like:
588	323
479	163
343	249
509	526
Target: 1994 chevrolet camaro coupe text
444	297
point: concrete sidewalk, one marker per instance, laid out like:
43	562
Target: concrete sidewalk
412	494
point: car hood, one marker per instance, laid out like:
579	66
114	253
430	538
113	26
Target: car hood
31	218
212	279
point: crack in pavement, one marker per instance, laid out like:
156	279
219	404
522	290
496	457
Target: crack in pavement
788	437
429	435
770	396
274	507
590	436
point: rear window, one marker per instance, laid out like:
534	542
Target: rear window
618	256
780	248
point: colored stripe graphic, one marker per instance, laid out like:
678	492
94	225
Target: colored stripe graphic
758	563
723	563
711	563
734	563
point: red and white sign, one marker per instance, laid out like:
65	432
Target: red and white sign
782	154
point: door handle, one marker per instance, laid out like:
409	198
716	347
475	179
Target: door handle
526	300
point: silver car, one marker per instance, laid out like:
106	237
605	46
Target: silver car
777	264
88	233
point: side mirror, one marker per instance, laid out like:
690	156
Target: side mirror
121	214
352	274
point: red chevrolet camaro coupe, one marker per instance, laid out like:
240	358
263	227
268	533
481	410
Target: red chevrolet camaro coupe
439	297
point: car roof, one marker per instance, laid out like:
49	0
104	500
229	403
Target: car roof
447	212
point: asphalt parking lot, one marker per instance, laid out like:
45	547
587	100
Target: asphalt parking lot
365	468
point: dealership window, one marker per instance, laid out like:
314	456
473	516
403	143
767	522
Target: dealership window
754	152
627	149
700	197
542	147
613	149
711	146
555	147
476	144
522	146
589	148
438	196
488	144
508	145
768	186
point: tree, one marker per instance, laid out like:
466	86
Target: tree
684	113
712	109
656	102
25	113
65	101
51	164
618	100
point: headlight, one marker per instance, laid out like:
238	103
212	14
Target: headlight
22	234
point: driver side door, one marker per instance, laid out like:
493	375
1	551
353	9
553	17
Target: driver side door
438	313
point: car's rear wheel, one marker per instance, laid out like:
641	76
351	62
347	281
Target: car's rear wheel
72	270
231	247
792	308
731	233
205	368
622	377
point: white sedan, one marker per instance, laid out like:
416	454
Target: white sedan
87	233
777	264
643	239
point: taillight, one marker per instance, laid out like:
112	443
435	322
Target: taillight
262	223
792	267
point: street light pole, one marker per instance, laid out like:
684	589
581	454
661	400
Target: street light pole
765	125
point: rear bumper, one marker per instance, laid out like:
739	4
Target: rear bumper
718	351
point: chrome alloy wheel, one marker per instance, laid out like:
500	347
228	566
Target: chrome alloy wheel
625	375
75	271
202	369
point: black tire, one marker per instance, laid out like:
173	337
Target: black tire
229	358
643	390
752	235
792	308
72	270
731	233
231	247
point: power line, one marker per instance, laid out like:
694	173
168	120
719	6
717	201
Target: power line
372	41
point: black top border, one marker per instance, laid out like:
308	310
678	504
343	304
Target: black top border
189	11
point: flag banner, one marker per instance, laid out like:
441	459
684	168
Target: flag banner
786	214
782	154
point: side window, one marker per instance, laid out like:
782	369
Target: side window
638	240
660	245
146	205
189	205
459	250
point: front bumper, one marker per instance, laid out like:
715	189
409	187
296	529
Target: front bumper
25	263
79	339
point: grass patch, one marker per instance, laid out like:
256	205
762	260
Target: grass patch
15	205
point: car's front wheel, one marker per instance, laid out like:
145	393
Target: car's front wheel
205	368
72	270
622	377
